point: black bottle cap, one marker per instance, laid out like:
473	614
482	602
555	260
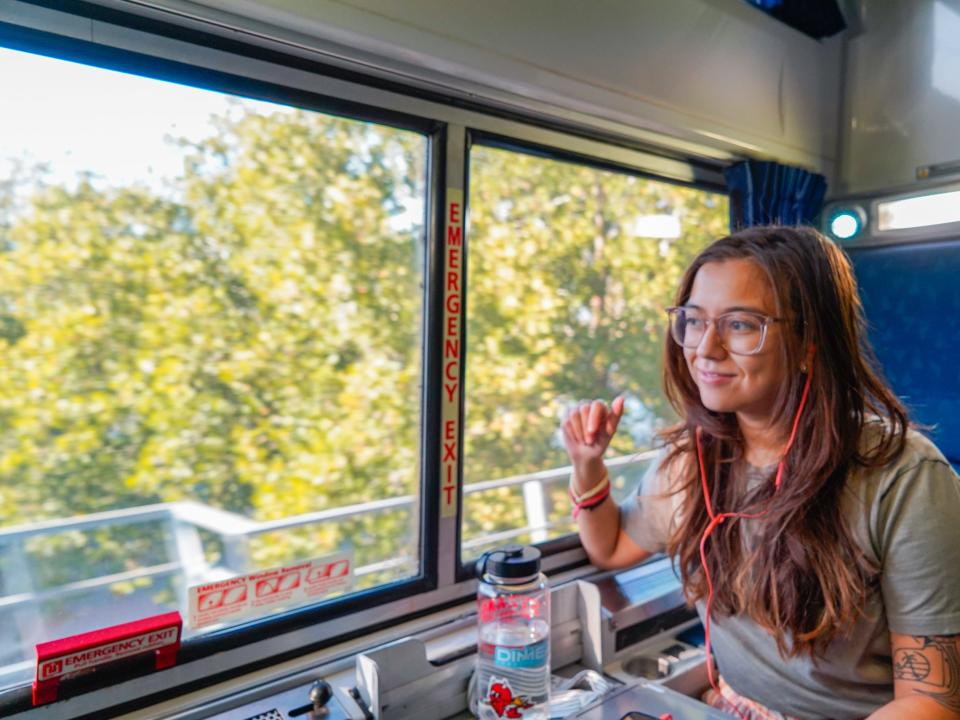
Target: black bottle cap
511	564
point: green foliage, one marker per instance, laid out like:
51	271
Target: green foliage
252	346
566	302
250	341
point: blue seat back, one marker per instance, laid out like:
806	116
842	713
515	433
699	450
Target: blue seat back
911	296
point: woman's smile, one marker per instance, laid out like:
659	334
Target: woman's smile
711	377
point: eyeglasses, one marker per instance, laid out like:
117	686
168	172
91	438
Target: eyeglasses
740	332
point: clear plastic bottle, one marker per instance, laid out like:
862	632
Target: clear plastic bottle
513	649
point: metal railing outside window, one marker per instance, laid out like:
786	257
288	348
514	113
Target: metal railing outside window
184	524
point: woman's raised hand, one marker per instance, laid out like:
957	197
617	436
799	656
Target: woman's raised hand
587	432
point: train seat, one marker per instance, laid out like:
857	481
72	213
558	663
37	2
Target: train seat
911	297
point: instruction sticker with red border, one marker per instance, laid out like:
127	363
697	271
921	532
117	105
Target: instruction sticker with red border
245	595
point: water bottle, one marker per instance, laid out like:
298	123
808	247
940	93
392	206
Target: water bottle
513	649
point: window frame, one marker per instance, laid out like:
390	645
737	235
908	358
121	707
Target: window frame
699	177
255	630
217	58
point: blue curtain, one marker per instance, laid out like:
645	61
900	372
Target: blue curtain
767	193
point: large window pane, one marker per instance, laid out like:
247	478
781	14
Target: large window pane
569	271
210	323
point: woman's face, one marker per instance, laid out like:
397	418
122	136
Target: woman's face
742	384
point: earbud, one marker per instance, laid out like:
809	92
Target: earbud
808	360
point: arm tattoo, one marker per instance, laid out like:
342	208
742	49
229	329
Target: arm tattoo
936	664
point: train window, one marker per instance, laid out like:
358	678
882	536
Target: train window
919	211
210	321
569	270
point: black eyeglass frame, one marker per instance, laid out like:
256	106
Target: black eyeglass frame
764	319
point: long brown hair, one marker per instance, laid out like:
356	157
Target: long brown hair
805	577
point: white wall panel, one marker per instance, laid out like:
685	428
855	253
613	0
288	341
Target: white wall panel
903	93
716	73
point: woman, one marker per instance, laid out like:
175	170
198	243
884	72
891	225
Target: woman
818	535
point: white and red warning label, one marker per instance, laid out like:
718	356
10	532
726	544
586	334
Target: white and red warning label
246	595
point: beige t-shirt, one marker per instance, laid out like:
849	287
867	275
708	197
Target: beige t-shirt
906	518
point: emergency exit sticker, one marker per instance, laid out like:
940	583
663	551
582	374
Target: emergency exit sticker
247	595
452	324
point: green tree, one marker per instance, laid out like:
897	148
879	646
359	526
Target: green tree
566	302
252	344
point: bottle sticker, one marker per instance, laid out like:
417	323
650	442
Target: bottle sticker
500	697
525	656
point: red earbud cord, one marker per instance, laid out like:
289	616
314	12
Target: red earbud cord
717	518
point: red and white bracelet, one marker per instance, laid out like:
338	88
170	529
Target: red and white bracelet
592	497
